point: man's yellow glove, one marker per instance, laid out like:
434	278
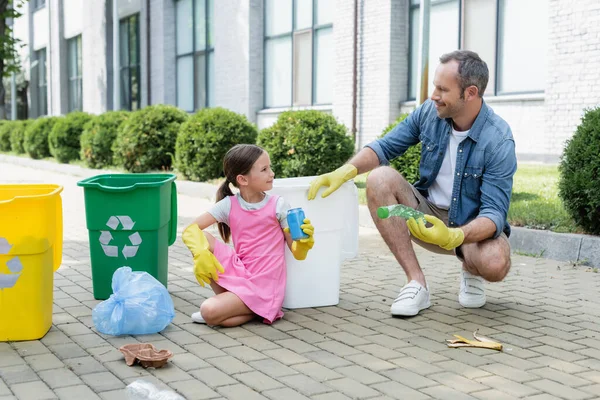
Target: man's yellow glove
301	247
206	264
333	179
439	233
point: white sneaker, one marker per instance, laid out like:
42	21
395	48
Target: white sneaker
412	298
472	290
197	318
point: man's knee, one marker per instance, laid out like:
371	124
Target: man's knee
385	181
497	269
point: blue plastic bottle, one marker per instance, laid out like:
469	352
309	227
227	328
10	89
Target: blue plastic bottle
295	219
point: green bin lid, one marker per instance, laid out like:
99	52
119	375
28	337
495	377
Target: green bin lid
125	182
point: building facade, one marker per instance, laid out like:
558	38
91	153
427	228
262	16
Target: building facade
261	57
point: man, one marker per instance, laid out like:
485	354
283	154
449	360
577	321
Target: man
467	166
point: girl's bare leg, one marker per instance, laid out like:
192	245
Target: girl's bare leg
225	309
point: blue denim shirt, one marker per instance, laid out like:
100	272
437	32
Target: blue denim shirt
485	162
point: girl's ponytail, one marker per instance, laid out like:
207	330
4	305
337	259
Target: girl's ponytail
224	191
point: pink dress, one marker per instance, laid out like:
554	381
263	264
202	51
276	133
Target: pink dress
255	271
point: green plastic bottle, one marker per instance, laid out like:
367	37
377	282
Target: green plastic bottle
400	210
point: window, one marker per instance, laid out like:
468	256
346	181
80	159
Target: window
38	4
74	71
42	83
522	44
129	62
298	52
444	23
195	54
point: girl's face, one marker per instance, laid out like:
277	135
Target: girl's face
260	178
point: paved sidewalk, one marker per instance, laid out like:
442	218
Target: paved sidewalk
545	313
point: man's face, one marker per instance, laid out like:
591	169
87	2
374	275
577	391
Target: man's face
447	93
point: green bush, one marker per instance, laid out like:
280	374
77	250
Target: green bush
98	136
306	143
64	139
146	140
17	135
408	163
205	138
6	128
580	171
36	137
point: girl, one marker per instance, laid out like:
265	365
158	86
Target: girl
252	274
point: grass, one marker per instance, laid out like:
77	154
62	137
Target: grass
535	203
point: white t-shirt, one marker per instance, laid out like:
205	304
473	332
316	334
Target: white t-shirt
440	191
221	210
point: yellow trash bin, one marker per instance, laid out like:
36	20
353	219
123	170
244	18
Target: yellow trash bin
31	238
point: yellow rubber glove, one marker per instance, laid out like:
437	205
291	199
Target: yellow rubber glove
206	264
333	179
439	233
301	247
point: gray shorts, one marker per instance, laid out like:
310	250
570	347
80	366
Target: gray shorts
427	207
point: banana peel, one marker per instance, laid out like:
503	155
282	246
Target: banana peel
480	342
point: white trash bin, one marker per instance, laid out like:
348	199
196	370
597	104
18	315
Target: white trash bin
315	281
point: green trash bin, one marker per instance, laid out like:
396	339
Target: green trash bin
132	221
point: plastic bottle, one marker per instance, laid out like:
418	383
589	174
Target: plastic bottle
400	210
144	390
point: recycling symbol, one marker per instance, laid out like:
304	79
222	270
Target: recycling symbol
14	266
106	237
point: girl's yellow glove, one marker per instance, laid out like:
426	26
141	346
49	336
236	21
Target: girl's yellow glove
206	264
301	247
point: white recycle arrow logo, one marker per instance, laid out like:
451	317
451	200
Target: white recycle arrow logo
106	237
14	265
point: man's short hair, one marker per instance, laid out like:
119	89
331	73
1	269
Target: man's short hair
472	70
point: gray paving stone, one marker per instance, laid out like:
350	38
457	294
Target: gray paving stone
36	390
84	365
257	381
559	390
445	392
213	377
18	374
370	362
239	392
244	353
77	393
327	359
60	377
69	350
229	364
193	389
170	373
317	371
507	386
408	378
305	384
360	374
273	368
4	390
286	356
399	391
284	394
43	361
493	394
102	381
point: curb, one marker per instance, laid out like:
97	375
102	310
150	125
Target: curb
569	247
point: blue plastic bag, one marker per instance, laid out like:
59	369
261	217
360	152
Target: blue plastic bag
139	305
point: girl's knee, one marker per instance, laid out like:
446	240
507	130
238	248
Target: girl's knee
210	311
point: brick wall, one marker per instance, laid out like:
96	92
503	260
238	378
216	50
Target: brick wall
238	55
573	79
